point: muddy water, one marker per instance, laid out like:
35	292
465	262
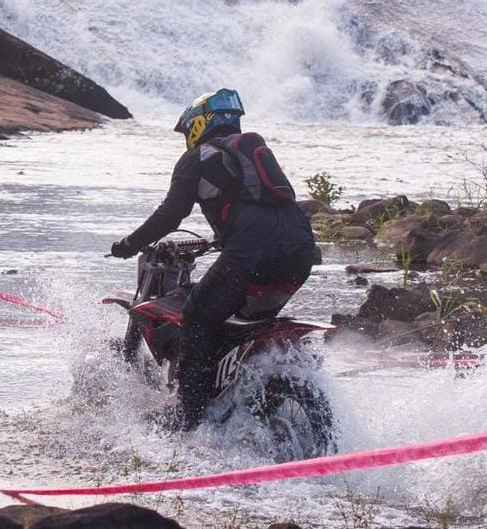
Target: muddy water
65	198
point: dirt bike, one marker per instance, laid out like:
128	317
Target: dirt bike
294	409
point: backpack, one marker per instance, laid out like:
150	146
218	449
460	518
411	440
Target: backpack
255	169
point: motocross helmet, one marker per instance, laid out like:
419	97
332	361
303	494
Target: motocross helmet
209	112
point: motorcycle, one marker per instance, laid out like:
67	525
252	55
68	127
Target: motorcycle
295	410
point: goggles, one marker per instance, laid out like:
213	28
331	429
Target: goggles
224	100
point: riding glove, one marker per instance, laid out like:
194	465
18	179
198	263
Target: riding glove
123	249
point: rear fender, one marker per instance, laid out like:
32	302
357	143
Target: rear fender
120	297
228	366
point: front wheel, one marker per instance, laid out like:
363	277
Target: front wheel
298	416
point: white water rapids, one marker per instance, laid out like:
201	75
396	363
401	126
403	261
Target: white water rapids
65	197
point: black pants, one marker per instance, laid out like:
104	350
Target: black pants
228	288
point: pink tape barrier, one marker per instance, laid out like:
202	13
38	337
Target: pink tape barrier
320	466
9	298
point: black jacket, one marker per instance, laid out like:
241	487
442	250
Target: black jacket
242	227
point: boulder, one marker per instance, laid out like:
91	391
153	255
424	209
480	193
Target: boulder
382	210
26	515
108	516
433	207
462	246
24	63
7	523
368	269
355	233
418	245
283	526
465	211
312	206
398	332
25	108
392	47
355	323
396	231
405	102
450	221
395	304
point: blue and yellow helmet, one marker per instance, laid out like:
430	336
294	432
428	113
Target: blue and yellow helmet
209	112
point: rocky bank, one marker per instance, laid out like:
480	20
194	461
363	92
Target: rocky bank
39	93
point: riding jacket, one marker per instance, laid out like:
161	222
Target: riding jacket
201	176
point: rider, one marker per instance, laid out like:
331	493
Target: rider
267	241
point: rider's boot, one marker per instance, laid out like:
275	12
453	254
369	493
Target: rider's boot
193	391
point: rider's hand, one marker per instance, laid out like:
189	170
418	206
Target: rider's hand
123	249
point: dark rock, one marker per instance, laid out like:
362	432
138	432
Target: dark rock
392	47
7	523
355	233
465	211
461	246
384	210
450	221
283	526
355	323
395	304
10	272
108	516
56	115
24	63
418	245
478	222
405	103
368	202
396	232
26	515
433	207
360	281
312	206
398	332
367	269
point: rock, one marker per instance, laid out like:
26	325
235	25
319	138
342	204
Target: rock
418	245
368	202
283	526
382	210
478	222
461	246
355	323
24	63
450	221
465	211
398	332
312	206
10	272
392	47
355	233
395	232
405	102
433	207
395	304
108	516
368	269
25	108
360	281
26	515
7	523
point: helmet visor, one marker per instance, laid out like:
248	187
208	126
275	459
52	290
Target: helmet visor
224	100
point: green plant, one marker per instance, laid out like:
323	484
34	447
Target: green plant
357	510
405	260
447	300
322	188
443	515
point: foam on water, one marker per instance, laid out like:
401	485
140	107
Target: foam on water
313	60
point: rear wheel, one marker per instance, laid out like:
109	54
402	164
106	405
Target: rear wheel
299	418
